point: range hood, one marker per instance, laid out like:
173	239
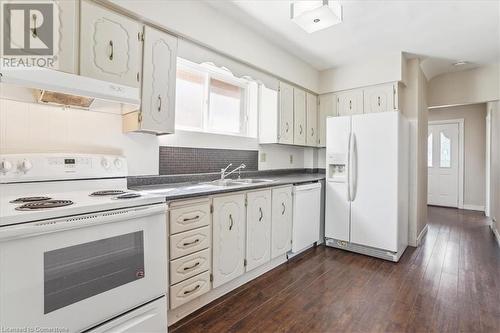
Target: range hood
49	86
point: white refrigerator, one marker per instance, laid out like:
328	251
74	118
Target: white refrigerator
366	209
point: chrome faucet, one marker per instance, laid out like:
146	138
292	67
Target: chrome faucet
223	173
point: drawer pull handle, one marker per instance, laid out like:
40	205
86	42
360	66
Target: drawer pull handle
192	266
284	208
231	222
111	51
191	218
187	292
261	214
191	243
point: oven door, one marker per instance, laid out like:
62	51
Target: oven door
74	273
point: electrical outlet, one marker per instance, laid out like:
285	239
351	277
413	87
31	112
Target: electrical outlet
291	159
263	157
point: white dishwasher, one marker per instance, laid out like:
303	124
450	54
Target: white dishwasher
306	216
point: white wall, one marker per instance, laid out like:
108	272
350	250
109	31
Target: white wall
474	151
495	162
372	71
414	107
31	128
478	85
204	24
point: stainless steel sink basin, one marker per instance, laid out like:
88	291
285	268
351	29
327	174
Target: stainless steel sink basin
223	182
253	181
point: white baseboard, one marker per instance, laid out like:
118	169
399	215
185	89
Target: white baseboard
422	234
474	207
495	231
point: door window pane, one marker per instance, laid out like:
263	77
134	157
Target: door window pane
74	273
429	150
189	98
445	151
225	107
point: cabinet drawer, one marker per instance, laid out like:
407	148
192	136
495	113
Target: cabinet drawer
190	265
189	242
189	289
189	217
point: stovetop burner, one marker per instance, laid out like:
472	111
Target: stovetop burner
128	196
29	199
106	193
40	205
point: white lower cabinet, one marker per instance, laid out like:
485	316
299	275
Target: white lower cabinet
189	289
189	266
258	247
281	232
228	238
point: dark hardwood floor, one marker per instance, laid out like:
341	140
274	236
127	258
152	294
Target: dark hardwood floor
451	283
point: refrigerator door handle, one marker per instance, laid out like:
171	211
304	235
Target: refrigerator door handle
353	182
349	181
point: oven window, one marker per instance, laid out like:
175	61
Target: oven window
81	271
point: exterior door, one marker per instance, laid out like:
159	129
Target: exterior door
286	113
443	164
158	85
109	45
258	229
299	115
312	120
228	238
281	231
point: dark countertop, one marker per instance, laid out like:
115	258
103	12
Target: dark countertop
175	191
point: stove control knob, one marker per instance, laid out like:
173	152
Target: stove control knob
118	163
25	166
105	163
5	166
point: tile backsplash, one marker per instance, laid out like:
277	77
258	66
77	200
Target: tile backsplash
181	160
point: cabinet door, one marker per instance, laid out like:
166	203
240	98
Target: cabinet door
350	102
286	113
110	45
228	238
312	120
327	108
258	229
158	83
281	231
299	114
379	98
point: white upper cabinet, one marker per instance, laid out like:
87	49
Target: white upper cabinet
158	84
380	98
258	229
228	238
67	48
299	113
312	120
281	232
350	102
110	45
286	112
327	108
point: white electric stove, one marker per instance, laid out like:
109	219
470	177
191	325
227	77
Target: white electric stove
78	250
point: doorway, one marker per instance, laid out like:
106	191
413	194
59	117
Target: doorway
445	162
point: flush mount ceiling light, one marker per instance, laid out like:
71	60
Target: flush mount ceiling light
460	63
317	15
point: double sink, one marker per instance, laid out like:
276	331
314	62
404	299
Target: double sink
237	182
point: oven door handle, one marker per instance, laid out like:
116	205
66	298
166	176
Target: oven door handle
80	221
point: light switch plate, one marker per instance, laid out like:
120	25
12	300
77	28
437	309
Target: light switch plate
263	157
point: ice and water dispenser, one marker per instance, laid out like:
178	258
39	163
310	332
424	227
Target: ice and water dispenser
337	167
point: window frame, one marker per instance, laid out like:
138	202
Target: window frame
210	71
